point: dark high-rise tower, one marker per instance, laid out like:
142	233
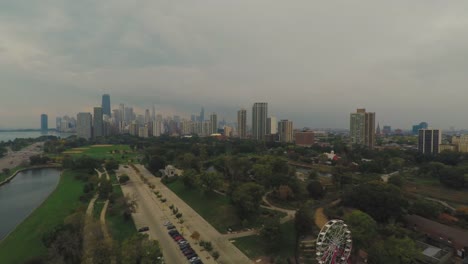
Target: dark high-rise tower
106	105
98	126
242	123
259	120
44	123
202	115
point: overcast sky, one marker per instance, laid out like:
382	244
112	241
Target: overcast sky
314	62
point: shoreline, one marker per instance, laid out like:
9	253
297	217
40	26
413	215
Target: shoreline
7	180
39	205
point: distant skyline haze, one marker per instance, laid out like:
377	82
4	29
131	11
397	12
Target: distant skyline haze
314	62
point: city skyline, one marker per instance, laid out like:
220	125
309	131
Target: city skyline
405	65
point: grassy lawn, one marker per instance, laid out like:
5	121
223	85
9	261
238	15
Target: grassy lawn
25	241
214	208
431	187
119	228
98	205
253	246
121	153
217	209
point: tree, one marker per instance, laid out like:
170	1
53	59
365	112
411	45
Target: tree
396	180
156	163
123	179
104	188
363	229
381	201
315	190
303	221
139	249
247	197
271	234
452	177
111	165
190	178
210	181
425	208
393	250
6	171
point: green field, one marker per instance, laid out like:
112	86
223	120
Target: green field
25	241
217	209
121	153
119	228
214	208
253	247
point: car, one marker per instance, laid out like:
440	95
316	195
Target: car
143	229
173	232
167	223
192	260
198	261
187	250
171	227
184	246
191	256
183	242
177	238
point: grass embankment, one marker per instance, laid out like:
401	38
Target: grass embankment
4	176
98	205
217	209
429	187
120	153
253	246
25	241
119	227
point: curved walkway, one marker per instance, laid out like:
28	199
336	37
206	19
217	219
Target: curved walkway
290	213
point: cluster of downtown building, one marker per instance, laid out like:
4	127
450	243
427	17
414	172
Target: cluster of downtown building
105	122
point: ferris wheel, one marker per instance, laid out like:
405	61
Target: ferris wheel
334	243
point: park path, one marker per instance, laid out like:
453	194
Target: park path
385	177
290	214
320	218
88	236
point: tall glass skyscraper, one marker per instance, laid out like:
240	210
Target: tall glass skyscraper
98	126
106	105
44	123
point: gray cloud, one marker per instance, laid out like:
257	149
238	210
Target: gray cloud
313	61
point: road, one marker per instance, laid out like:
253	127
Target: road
149	213
192	222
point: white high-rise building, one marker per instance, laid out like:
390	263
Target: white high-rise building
157	128
84	125
272	125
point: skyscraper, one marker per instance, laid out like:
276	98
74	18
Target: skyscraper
259	120
202	115
429	141
98	128
214	123
272	126
106	105
285	131
362	128
147	116
44	123
242	123
84	125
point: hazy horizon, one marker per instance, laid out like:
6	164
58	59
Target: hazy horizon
314	62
